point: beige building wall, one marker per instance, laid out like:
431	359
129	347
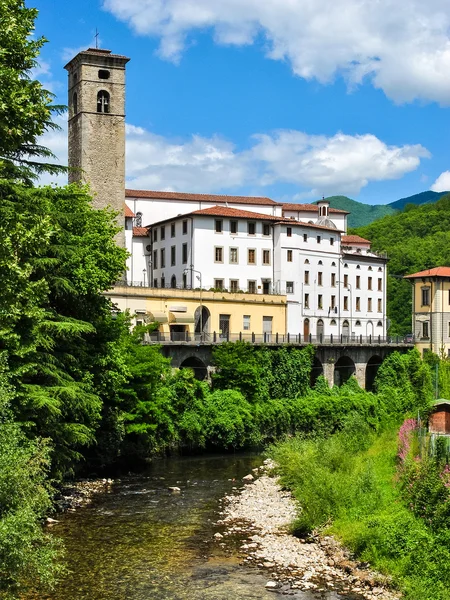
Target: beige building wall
176	309
431	322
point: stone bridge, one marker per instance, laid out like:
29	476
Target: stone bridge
337	362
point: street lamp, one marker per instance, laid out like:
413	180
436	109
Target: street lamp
199	277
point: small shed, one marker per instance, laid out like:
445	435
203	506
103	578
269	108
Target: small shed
439	421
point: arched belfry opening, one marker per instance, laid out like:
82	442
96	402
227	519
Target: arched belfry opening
103	102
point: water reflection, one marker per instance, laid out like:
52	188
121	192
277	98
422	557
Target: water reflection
139	541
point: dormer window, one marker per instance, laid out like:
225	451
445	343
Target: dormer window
103	102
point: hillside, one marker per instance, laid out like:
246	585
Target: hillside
416	239
423	198
360	214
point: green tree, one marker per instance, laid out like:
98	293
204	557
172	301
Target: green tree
27	553
58	255
25	106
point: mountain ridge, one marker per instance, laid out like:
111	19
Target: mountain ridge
362	214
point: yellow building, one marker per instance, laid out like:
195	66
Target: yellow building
431	310
186	315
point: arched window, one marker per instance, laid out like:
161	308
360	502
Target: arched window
370	268
138	220
379	324
380	269
358	324
345	266
103	102
320	262
306	262
173	282
333	322
358	267
320	329
333	264
75	103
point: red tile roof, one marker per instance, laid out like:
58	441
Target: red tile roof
436	272
310	207
140	232
226	211
198	197
129	212
354	239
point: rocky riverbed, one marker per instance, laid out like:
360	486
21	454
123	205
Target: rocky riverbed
261	513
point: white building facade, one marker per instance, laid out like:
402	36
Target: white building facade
334	284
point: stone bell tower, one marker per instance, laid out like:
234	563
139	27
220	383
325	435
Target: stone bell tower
97	127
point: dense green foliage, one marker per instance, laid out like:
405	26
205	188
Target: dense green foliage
417	239
366	484
27	553
25	106
427	197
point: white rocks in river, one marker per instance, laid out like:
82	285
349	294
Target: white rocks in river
174	489
272	585
268	511
248	477
218	536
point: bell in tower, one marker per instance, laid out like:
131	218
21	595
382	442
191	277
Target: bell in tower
97	127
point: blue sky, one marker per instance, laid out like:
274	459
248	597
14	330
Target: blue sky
293	99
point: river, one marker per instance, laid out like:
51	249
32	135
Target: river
138	541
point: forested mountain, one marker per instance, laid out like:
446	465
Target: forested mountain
416	239
362	214
427	197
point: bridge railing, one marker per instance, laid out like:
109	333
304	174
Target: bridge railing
176	337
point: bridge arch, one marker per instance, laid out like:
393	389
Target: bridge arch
316	371
197	365
373	364
344	368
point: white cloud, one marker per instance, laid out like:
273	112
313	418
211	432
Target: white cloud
319	164
316	165
402	45
442	183
56	141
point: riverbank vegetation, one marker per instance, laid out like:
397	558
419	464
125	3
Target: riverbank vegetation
375	485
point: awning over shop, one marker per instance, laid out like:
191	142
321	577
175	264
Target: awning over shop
157	315
181	317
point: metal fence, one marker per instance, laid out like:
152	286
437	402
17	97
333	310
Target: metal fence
272	338
181	286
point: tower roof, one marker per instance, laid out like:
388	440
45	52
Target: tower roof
97	56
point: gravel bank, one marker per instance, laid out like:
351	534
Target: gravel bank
262	511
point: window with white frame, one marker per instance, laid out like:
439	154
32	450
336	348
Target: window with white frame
246	322
234	256
251	287
251	256
218	254
266	257
289	256
289	287
234	285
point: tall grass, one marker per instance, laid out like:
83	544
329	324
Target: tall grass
347	485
